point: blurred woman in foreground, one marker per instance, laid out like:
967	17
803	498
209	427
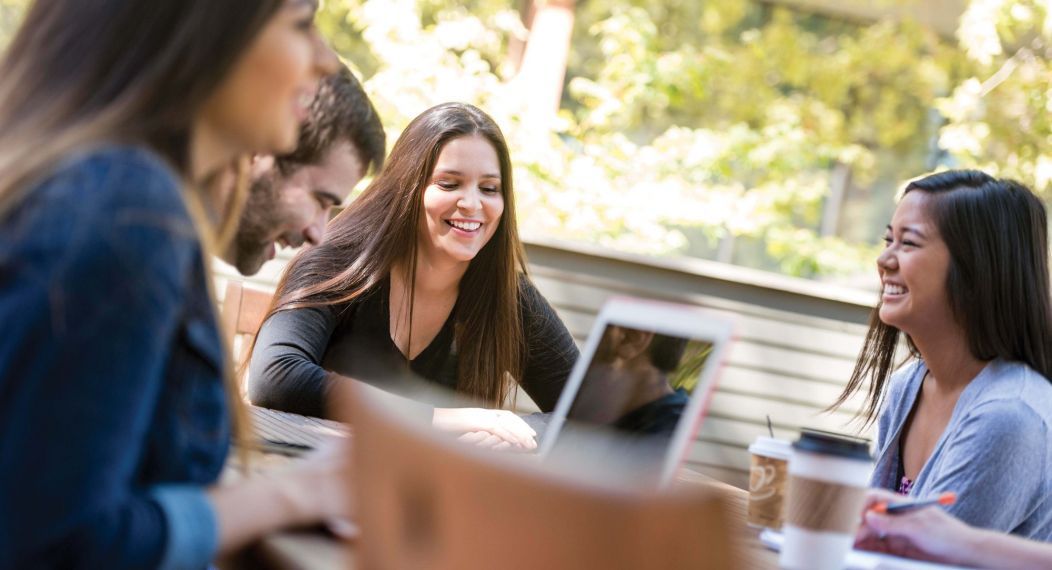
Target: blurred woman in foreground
113	406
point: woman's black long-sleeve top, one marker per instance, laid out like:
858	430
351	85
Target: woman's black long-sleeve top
296	349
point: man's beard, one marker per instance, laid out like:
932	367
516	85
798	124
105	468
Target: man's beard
262	214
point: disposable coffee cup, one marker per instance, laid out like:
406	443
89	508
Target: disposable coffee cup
828	476
768	476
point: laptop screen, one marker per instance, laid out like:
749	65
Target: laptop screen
635	400
639	382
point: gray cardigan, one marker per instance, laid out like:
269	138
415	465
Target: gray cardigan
996	452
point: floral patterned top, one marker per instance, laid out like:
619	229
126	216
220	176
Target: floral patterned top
905	485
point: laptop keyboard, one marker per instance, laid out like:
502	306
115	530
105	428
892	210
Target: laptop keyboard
296	432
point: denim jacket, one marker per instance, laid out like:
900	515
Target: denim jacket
112	411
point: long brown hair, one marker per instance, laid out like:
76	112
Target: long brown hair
997	284
79	75
380	229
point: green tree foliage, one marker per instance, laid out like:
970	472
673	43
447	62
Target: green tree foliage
10	15
1000	117
720	128
792	95
686	123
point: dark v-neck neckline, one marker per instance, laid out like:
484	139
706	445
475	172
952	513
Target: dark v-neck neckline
385	310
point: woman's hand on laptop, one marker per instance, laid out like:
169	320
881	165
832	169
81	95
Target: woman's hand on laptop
328	469
311	490
486	428
331	467
488	440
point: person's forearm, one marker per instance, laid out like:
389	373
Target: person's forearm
991	549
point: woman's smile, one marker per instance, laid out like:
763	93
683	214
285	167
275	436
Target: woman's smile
463	203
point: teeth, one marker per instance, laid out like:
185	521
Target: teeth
894	289
466	226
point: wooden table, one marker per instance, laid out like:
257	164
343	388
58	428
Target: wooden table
316	550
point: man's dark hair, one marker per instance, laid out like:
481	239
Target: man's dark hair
666	352
341	111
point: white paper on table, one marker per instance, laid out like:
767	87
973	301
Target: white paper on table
862	559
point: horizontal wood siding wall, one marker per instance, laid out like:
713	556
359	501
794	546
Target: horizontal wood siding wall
794	347
791	356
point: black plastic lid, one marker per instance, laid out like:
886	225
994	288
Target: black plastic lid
829	443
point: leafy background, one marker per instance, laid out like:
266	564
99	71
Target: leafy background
747	132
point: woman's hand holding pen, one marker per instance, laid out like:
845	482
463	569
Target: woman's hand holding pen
926	533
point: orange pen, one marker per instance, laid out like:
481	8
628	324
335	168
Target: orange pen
947	498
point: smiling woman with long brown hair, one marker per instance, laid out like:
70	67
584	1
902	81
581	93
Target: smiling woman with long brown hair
424	274
115	414
965	279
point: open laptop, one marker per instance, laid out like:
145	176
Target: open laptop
641	388
634	401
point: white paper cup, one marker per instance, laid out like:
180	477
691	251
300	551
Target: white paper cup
828	476
768	479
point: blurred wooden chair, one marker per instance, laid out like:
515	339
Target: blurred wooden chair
426	501
243	312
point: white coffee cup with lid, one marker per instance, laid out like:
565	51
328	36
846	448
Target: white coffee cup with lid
828	477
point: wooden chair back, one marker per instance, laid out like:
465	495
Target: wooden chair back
429	502
243	312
